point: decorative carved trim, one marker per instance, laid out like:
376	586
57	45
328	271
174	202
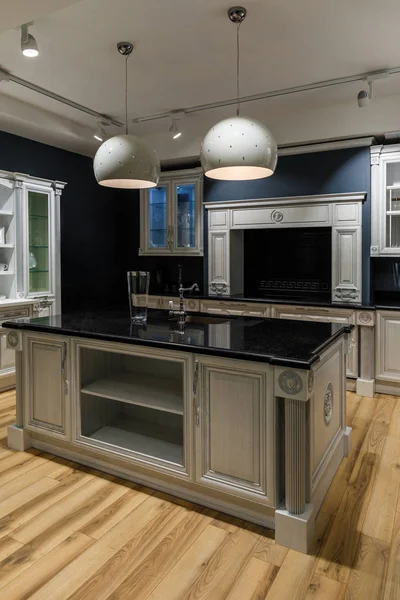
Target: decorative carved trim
14	340
192	304
374	250
310	385
365	318
346	294
290	382
277	216
21	294
328	404
218	288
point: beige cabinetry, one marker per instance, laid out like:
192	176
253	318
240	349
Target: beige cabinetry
235	427
388	346
325	315
45	383
236	309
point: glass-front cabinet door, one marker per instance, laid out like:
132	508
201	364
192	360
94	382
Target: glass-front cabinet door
186	215
171	215
385	200
38	242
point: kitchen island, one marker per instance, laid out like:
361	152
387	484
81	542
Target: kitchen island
243	415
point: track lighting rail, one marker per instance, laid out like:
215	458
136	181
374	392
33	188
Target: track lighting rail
4	76
273	94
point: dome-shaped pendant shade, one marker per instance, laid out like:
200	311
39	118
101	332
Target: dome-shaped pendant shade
239	148
126	161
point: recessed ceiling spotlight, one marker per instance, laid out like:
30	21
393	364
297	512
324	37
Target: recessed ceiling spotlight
174	129
100	133
29	47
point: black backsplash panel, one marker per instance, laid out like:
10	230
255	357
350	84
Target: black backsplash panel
385	280
288	263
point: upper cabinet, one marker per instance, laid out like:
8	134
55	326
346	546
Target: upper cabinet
171	218
30	238
385	200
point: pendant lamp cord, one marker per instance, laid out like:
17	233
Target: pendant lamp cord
126	94
238	69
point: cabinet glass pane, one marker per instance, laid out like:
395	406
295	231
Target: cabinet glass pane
393	174
186	215
158	217
38	224
393	231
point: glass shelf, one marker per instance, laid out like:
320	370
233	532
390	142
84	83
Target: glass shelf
38	217
38	246
31	271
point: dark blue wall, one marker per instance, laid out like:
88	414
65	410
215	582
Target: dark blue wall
91	245
332	172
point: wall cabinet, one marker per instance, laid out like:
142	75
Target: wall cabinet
46	385
235	425
388	345
385	200
30	238
171	220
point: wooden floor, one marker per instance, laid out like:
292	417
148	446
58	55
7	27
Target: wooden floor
71	532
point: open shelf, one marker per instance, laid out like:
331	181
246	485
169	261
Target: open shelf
6	213
159	393
7	246
149	439
6	272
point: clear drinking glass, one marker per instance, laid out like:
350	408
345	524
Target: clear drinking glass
138	290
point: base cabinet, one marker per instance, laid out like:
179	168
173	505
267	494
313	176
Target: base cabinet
46	385
388	346
234	433
326	315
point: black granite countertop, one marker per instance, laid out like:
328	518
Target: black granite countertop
275	341
288	301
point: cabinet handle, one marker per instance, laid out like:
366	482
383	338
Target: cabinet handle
64	358
195	381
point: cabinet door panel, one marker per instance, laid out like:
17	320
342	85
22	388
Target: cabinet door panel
46	386
7	356
232	437
219	262
388	346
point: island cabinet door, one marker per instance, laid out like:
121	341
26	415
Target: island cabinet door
46	385
234	436
388	346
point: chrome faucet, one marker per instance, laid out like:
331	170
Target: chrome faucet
181	313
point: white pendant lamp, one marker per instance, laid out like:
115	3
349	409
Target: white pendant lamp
238	148
126	161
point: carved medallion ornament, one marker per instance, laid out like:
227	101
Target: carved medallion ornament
364	317
290	382
328	404
13	339
277	216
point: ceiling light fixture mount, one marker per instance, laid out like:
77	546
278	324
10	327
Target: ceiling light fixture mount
237	14
29	46
175	130
126	161
238	148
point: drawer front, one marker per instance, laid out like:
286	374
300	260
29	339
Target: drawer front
190	304
16	313
235	309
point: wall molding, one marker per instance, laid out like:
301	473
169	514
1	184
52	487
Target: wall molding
285	200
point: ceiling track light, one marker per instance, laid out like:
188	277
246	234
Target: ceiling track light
238	148
364	96
100	133
29	46
174	129
126	161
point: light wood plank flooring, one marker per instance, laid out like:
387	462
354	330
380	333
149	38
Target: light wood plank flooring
72	532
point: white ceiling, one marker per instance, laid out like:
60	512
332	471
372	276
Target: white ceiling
185	55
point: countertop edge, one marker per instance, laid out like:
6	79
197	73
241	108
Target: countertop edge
225	353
